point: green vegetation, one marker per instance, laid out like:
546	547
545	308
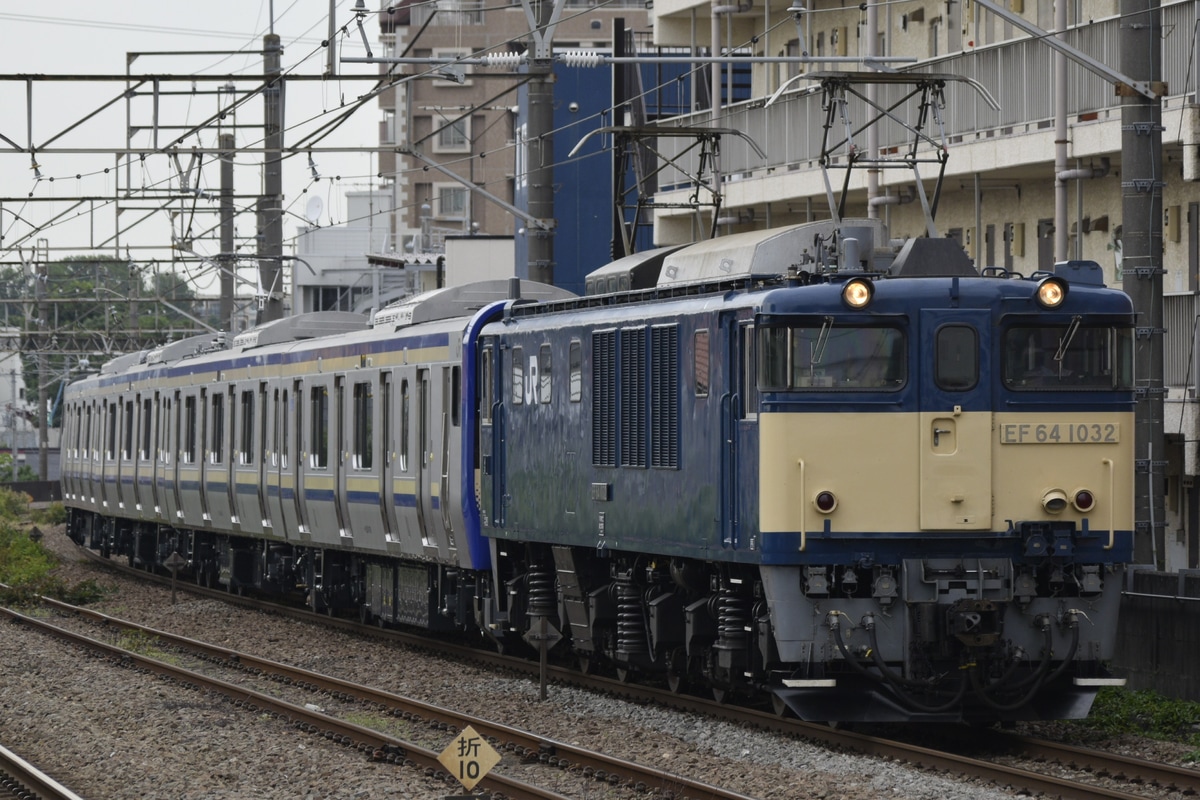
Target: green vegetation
24	471
26	567
1120	711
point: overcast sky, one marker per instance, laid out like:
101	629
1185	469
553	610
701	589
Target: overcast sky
78	38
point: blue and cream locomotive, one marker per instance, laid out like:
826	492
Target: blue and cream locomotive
868	484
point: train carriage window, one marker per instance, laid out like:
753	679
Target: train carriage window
189	430
575	367
404	409
283	440
246	438
127	432
1067	357
364	409
518	376
319	428
700	362
110	436
455	396
216	451
144	450
544	374
822	356
956	358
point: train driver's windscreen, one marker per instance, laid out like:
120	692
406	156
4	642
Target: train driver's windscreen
1067	357
823	356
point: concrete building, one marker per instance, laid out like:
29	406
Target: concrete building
331	270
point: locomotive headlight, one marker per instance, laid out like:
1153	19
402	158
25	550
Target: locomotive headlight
857	293
1083	500
1054	501
1051	292
825	501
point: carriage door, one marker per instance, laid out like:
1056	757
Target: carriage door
739	434
338	459
955	420
428	466
387	448
491	458
298	459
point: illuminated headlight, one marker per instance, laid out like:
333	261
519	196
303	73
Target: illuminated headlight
1054	501
857	293
825	502
1051	292
1083	500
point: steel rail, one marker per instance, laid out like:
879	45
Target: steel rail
377	744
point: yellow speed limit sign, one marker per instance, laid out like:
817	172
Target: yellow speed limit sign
469	757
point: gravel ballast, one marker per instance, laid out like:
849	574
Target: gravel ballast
110	733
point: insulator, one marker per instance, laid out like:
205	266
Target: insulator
581	58
631	625
542	598
733	615
501	60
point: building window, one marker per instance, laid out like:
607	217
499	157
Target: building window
451	200
452	136
387	133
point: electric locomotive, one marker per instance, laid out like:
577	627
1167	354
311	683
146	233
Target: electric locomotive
876	484
795	464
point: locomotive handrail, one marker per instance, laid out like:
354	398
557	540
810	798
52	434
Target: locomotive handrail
803	515
1112	488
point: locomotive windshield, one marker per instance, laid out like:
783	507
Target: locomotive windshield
827	357
1068	357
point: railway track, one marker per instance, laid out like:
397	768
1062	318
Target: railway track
524	747
1091	774
21	780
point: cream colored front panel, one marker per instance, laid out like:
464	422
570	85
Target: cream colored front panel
868	461
956	471
1067	451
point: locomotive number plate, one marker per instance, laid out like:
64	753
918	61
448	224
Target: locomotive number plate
1060	433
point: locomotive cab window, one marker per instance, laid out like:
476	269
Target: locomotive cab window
1068	357
956	358
824	356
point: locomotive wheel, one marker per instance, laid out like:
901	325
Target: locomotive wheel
624	674
780	707
586	666
720	693
675	682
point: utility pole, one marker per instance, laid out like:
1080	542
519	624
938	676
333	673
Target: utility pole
1142	220
270	206
540	144
39	292
225	261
